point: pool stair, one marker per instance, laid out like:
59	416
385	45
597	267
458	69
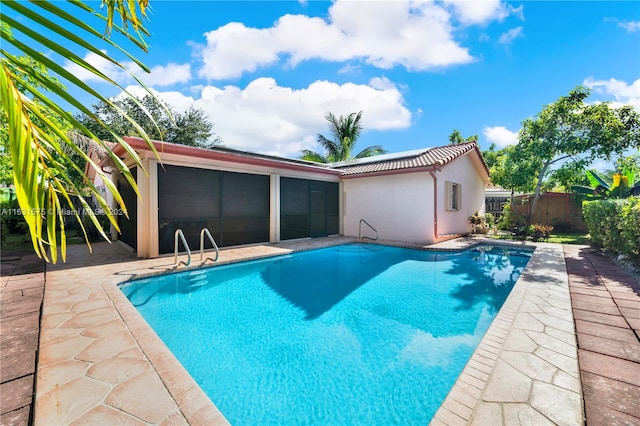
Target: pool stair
179	237
203	232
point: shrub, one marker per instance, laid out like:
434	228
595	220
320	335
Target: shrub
540	232
562	227
510	220
614	225
92	232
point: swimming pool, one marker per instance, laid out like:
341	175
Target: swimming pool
350	334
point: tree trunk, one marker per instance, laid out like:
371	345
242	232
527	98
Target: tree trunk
536	193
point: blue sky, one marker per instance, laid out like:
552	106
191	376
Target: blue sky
267	72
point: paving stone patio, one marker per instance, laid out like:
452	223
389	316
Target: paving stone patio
99	363
21	293
606	308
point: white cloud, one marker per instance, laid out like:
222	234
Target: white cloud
271	119
631	26
414	34
108	68
159	75
500	135
480	12
509	36
621	91
167	75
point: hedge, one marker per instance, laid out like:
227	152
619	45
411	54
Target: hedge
614	225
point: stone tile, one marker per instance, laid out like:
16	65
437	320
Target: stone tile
70	401
105	329
598	414
90	305
525	321
560	405
462	397
603	301
631	304
605	392
62	350
507	385
18	417
17	365
566	381
530	365
523	414
614	320
20	323
57	334
18	342
549	342
563	323
91	318
563	336
520	341
596	307
630	313
104	415
54	320
177	419
628	295
117	370
449	418
606	331
457	408
608	366
16	394
565	363
487	414
52	376
144	397
107	347
625	350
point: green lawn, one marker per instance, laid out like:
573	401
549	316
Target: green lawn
582	239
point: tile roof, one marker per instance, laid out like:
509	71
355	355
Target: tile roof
428	157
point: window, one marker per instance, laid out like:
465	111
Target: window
453	196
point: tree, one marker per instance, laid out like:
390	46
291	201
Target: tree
456	137
567	131
345	131
192	127
39	145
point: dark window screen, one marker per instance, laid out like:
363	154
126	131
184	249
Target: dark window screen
128	227
308	208
234	206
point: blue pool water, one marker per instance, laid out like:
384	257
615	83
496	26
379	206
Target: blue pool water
353	334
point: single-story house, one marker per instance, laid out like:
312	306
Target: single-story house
419	196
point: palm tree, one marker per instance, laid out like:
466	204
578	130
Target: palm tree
35	122
345	130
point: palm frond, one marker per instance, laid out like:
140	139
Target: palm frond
36	141
371	151
309	155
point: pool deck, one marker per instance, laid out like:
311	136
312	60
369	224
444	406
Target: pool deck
99	363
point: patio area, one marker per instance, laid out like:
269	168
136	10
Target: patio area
98	362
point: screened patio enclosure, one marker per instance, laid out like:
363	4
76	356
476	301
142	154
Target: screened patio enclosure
235	207
308	208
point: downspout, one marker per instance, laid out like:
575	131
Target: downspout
436	168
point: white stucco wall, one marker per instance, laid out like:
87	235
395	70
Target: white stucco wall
463	172
399	206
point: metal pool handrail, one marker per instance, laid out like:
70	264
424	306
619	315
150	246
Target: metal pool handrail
180	234
360	236
204	231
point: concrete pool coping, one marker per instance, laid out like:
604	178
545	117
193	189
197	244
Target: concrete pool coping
100	363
